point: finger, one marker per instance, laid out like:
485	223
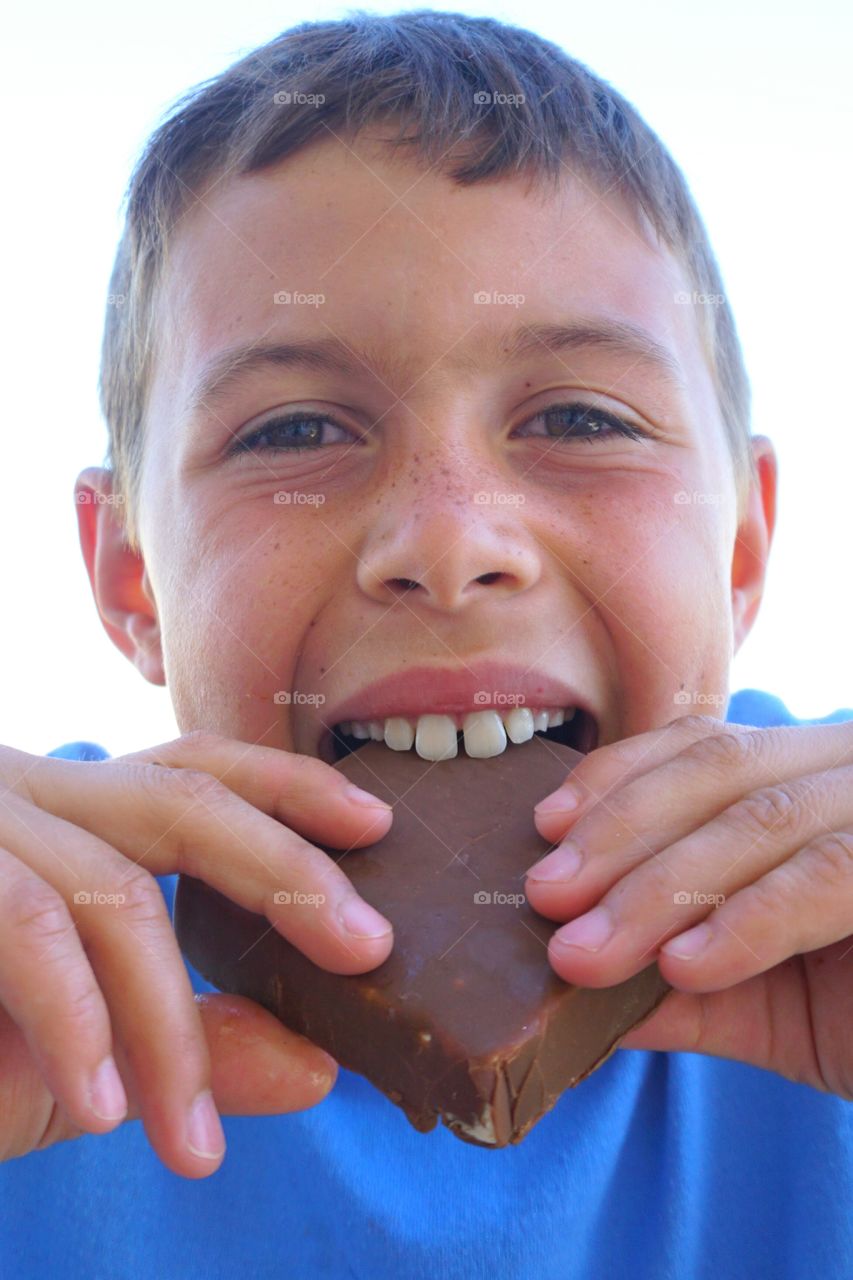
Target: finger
182	820
259	1067
649	813
769	1021
50	991
123	984
607	768
308	795
804	904
677	888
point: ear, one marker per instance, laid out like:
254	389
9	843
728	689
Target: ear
752	544
118	576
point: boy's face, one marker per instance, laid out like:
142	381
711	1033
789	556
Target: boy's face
444	521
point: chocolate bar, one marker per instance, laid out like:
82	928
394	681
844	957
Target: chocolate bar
465	1022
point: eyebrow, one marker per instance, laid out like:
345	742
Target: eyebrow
234	366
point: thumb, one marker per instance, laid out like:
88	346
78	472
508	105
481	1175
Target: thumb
258	1067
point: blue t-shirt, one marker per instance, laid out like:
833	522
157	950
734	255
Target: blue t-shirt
660	1166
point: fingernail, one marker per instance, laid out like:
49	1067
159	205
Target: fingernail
563	800
559	865
364	797
107	1097
687	945
588	932
360	920
323	1079
204	1129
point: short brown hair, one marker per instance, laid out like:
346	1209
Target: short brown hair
429	71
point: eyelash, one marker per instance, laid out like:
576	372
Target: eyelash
618	427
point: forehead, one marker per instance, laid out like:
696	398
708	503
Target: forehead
398	254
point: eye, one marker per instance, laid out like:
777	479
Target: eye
580	421
292	433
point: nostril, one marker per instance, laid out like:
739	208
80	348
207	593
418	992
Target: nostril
402	584
488	578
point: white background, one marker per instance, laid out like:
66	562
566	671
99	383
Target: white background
752	99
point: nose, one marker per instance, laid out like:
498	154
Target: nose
448	559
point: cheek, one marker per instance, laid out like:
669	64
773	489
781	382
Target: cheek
657	573
236	603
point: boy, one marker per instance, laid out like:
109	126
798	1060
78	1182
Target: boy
426	385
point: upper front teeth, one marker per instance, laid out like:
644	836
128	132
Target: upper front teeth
485	733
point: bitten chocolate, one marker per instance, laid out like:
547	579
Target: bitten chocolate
465	1022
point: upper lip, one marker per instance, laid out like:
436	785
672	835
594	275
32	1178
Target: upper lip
441	690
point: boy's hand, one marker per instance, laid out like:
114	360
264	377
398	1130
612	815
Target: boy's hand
89	963
744	838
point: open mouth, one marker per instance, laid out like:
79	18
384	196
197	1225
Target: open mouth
481	733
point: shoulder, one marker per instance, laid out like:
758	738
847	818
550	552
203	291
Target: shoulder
80	751
761	709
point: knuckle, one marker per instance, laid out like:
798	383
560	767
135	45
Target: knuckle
34	908
184	787
771	895
724	753
140	896
694	726
773	809
830	857
80	1011
195	784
